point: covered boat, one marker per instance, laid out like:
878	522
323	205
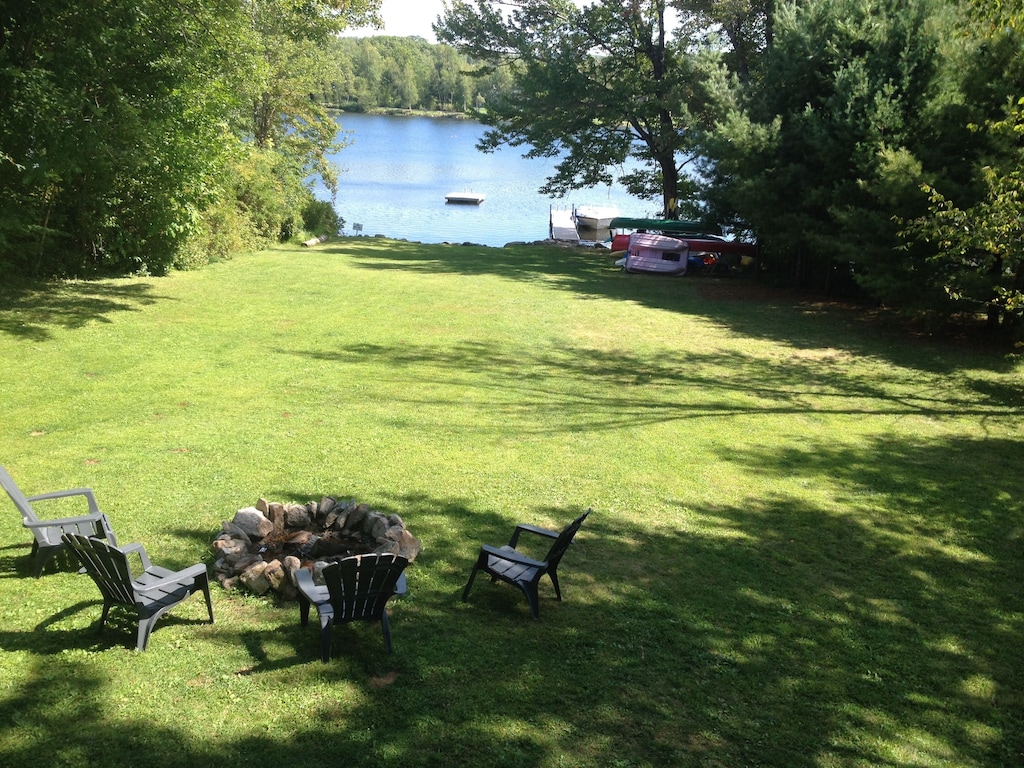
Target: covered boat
648	252
720	247
664	226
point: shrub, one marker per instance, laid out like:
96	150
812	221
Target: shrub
320	218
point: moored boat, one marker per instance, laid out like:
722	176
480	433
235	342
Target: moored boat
706	254
465	198
595	216
664	226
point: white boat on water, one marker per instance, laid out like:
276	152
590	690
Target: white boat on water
595	216
465	198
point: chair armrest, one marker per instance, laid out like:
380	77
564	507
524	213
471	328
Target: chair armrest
512	556
525	528
175	578
87	492
311	591
59	522
141	551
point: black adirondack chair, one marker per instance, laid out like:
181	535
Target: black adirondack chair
355	589
508	565
152	593
47	534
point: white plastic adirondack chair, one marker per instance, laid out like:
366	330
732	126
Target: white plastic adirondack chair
48	533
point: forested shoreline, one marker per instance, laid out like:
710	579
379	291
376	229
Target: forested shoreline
869	146
409	73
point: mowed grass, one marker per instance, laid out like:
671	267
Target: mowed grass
806	546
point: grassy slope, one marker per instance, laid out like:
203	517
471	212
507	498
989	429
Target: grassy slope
805	551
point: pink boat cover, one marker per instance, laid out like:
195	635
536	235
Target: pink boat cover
648	252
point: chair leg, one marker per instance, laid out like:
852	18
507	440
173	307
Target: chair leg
469	584
325	638
303	610
554	583
387	630
43	555
530	590
206	593
145	629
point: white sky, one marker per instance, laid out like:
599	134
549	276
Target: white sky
403	18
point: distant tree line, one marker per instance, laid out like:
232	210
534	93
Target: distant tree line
409	73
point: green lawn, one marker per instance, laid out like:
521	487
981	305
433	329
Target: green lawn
806	548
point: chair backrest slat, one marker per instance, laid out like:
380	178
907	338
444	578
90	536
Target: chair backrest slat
361	585
21	501
108	567
564	540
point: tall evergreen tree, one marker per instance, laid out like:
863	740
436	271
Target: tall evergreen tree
821	153
974	235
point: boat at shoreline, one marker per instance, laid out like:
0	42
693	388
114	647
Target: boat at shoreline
648	252
595	216
703	254
465	198
664	226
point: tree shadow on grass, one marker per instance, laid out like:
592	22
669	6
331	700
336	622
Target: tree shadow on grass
742	304
895	614
884	629
52	635
722	648
31	313
772	634
660	386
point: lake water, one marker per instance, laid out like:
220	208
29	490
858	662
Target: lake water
397	170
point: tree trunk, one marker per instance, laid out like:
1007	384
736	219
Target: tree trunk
261	120
669	184
995	309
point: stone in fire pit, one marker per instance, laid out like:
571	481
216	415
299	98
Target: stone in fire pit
263	546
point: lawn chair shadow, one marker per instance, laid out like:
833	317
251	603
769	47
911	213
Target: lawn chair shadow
47	638
13	564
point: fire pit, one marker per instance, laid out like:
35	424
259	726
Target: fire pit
262	546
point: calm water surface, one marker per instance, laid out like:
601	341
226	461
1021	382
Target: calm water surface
397	170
